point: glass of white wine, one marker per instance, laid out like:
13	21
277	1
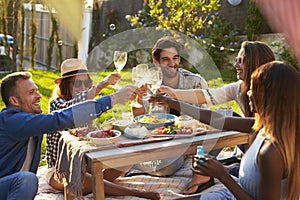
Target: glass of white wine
120	59
154	81
156	77
136	79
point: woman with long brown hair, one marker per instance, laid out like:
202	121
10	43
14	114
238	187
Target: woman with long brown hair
270	169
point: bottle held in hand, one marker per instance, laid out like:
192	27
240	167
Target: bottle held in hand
200	154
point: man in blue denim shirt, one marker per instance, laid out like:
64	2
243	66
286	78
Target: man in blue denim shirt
22	126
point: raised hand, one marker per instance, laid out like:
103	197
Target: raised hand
126	93
112	78
172	103
166	89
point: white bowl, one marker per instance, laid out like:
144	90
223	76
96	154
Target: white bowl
121	124
135	132
103	140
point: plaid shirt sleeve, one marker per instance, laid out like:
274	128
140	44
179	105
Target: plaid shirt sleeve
61	103
52	139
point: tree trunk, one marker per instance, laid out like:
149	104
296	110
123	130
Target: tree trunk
15	34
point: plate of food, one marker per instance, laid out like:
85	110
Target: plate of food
155	120
173	131
104	137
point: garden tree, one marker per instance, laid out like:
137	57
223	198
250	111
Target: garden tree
33	30
3	24
58	45
53	39
220	39
185	16
197	19
22	37
95	27
15	33
254	21
75	49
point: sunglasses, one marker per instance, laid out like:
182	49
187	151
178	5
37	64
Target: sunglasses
78	83
239	60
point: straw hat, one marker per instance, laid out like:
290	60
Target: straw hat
72	67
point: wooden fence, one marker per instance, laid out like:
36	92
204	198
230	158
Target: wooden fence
44	28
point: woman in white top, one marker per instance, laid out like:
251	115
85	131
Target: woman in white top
251	55
270	169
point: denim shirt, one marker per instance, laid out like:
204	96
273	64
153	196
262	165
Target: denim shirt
16	127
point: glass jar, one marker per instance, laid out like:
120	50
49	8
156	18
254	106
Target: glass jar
158	107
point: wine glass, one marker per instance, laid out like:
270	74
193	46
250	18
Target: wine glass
156	77
136	79
142	76
154	80
120	59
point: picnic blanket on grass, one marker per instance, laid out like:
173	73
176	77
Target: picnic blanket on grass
168	187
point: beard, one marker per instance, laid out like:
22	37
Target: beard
169	72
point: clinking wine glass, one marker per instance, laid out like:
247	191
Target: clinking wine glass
136	79
120	59
139	78
155	77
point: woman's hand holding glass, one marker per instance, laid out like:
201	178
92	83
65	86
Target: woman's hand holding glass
120	59
111	79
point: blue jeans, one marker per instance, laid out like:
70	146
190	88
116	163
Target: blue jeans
20	185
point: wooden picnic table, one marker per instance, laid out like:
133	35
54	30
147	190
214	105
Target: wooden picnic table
128	155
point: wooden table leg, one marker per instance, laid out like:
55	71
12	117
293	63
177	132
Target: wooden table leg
98	183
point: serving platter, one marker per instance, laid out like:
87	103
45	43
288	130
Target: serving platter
155	120
177	132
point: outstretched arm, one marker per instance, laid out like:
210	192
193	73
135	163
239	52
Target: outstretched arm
110	79
209	117
194	96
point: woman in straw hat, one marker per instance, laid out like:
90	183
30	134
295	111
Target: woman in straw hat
75	85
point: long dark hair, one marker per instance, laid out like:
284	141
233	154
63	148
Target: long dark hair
63	89
276	98
256	54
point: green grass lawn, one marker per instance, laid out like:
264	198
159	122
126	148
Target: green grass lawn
45	82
